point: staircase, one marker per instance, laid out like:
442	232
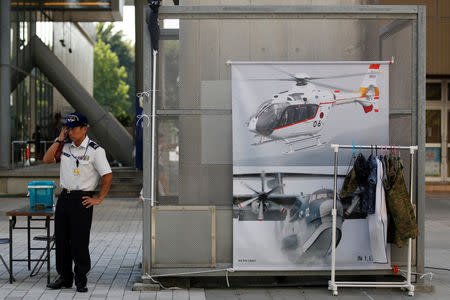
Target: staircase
126	183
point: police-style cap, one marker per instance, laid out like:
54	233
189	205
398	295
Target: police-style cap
75	119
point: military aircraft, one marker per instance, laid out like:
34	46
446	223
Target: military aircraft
304	220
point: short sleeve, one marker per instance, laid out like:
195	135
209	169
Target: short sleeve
101	163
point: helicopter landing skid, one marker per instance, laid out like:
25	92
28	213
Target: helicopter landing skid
293	143
262	140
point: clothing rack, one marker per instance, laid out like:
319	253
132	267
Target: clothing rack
333	284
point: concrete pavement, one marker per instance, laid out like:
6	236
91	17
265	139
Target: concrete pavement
115	251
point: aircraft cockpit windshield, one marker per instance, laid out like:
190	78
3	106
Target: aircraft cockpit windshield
320	196
269	117
262	106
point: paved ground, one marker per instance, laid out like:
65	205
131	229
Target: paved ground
115	252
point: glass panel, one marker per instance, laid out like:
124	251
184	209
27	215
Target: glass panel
168	158
433	125
434	91
433	161
168	68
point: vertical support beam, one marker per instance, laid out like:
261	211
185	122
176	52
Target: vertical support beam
143	83
420	174
5	126
139	44
34	118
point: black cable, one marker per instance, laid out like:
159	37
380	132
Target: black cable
436	268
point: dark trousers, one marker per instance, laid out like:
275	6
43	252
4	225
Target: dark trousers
72	229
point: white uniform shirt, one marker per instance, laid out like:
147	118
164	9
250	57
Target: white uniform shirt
92	165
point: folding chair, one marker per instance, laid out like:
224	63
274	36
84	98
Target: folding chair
6	241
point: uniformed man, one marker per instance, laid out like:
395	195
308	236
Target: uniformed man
83	162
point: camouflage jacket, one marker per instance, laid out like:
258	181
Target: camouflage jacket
399	206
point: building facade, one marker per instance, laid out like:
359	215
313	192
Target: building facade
30	101
437	164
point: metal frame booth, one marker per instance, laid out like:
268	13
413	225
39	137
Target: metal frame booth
189	231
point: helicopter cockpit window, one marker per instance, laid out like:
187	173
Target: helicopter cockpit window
268	117
263	105
298	113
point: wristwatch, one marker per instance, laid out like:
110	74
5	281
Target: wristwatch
58	141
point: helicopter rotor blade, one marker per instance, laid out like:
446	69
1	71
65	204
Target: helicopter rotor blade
273	190
249	187
285	72
261	211
338	76
273	79
247	202
333	87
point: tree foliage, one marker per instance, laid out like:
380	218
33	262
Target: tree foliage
125	53
110	88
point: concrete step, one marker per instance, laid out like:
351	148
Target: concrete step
127	186
123	193
136	179
127	182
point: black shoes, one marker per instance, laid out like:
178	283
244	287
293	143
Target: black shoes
82	289
59	283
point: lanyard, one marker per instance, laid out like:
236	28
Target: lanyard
77	161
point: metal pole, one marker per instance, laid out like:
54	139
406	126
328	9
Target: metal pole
421	107
143	82
153	194
5	82
411	192
47	224
29	241
333	213
11	224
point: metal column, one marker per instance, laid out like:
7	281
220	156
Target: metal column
421	106
5	132
143	83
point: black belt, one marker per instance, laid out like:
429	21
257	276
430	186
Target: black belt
77	192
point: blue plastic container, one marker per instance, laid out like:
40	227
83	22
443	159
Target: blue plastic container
41	193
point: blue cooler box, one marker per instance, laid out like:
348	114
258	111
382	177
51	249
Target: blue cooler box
41	193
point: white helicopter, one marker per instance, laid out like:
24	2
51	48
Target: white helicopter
299	114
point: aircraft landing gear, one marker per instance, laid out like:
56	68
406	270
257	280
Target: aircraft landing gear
301	144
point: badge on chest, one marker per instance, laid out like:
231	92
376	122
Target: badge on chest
76	171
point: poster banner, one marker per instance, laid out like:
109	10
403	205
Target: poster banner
285	116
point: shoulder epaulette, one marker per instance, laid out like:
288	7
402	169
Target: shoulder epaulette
93	144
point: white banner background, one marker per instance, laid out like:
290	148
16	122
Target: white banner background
258	245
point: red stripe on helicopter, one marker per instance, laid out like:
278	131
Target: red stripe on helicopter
318	111
374	67
376	97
